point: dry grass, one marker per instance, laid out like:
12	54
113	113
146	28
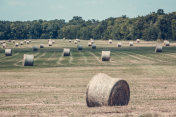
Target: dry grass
48	89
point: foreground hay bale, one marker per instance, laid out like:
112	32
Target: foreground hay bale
158	48
35	48
8	52
28	60
119	44
138	40
103	90
105	55
130	43
27	42
80	47
66	52
41	45
89	44
110	41
94	46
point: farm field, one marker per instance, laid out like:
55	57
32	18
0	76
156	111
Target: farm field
56	85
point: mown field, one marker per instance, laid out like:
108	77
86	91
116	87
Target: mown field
56	85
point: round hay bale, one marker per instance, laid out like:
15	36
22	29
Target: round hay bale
28	60
13	41
75	42
66	52
92	41
8	52
105	55
35	48
119	44
53	41
166	43
4	45
79	40
131	43
16	44
70	41
27	42
80	47
158	48
9	40
94	46
24	41
110	41
30	41
138	40
21	43
41	45
89	44
50	43
103	90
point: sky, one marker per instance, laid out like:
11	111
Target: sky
24	10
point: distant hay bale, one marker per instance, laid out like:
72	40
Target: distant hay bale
66	52
110	41
27	42
21	43
119	44
75	42
70	41
41	45
80	47
131	43
50	43
53	41
138	40
89	44
79	40
13	41
158	48
35	48
8	52
16	44
9	40
30	41
92	41
103	90
105	56
4	45
24	41
166	43
93	46
28	60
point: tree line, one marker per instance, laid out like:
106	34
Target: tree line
156	25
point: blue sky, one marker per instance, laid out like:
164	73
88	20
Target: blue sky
24	10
